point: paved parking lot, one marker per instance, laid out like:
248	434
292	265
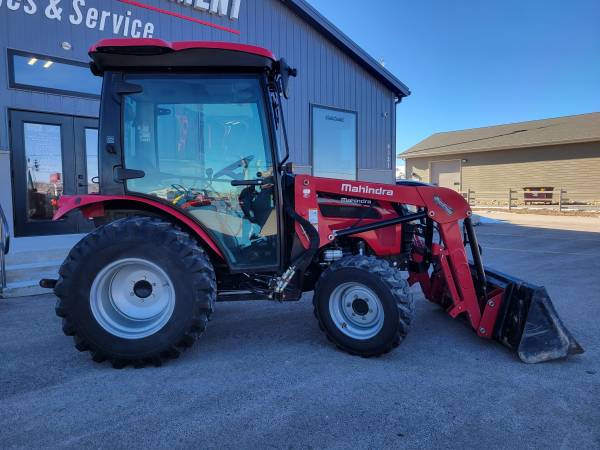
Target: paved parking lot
264	376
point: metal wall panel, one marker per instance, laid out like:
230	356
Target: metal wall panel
327	75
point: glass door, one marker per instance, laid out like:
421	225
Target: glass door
47	162
86	162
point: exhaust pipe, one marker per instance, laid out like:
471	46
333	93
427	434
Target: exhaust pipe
528	323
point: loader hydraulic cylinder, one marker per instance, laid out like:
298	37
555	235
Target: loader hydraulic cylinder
481	282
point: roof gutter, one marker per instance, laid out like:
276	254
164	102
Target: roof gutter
317	20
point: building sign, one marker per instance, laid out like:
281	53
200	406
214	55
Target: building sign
229	8
77	13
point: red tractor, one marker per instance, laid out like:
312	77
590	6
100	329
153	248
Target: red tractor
198	204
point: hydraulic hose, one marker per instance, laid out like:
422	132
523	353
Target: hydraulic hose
302	261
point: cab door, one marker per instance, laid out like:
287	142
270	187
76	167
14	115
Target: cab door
203	145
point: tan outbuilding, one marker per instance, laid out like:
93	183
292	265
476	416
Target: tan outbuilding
562	152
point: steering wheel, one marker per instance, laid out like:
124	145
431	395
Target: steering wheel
229	170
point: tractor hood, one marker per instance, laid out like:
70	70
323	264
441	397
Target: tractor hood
118	54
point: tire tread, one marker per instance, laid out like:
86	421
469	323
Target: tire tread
396	284
193	259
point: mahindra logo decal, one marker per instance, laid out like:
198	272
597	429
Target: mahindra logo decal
356	201
362	189
443	205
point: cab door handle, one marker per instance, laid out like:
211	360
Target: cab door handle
255	182
247	182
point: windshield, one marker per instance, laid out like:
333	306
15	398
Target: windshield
193	135
194	127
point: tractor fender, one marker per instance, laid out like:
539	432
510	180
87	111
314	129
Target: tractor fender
93	205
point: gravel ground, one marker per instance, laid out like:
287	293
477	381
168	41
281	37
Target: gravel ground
263	376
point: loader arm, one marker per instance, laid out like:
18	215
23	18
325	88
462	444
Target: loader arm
444	207
517	314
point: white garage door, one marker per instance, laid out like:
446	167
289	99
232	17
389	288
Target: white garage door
446	174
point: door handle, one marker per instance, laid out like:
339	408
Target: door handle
255	182
247	182
122	174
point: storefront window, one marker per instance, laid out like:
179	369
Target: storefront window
43	73
334	143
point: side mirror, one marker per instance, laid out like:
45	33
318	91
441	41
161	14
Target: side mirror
286	72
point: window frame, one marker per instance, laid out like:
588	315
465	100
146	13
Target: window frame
312	130
13	84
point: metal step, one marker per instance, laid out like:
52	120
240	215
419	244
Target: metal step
22	258
23	280
31	259
40	269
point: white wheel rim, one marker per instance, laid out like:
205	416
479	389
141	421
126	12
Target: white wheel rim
356	310
132	298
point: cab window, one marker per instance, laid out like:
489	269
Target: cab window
192	136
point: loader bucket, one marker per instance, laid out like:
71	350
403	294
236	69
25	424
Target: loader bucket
528	323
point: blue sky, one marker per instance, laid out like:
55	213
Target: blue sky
477	63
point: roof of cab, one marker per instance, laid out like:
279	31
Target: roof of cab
138	53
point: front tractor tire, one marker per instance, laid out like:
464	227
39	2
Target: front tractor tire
363	305
136	290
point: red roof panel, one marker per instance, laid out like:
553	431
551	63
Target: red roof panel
182	45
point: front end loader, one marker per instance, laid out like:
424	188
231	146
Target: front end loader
198	204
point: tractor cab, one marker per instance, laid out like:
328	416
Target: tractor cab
195	125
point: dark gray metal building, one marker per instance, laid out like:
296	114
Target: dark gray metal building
341	115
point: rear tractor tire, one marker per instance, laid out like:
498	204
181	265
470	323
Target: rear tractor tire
135	291
363	305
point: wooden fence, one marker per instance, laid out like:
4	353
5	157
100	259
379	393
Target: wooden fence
557	199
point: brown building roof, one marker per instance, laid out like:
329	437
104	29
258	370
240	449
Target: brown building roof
534	133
